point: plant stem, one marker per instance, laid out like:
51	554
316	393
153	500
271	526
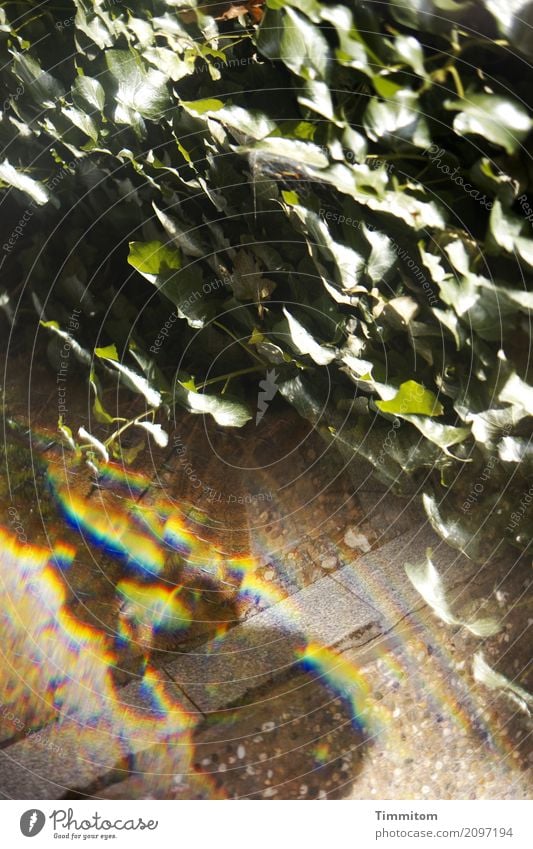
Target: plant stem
239	341
231	375
457	80
128	424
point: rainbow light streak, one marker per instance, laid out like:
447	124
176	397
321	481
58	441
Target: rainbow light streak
63	555
71	663
321	753
66	661
113	531
158	606
342	676
452	698
115	477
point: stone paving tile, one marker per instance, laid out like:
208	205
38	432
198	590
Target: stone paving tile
77	752
265	646
297	740
69	756
379	577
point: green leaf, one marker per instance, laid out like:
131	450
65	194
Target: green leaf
99	411
159	435
291	37
82	121
88	92
11	177
442	435
153	258
79	351
397	121
107	353
140	90
501	120
412	398
428	582
134	381
200	107
304	342
41	86
507	231
184	237
294	151
161	265
225	411
496	681
410	51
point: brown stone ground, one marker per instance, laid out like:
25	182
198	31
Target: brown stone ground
426	729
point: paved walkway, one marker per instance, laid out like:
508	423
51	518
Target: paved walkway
298	661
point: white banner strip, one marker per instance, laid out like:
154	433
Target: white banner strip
244	824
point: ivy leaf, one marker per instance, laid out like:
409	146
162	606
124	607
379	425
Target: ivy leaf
496	681
152	259
99	411
291	37
94	442
88	92
501	120
183	237
139	90
506	231
133	380
159	435
428	582
305	343
208	105
11	177
42	87
225	411
396	121
160	264
410	51
412	399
